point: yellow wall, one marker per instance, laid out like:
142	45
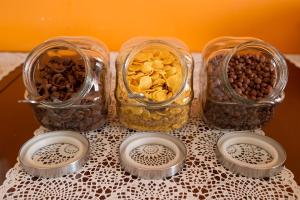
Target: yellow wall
25	23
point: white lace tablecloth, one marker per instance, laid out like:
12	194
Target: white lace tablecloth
102	177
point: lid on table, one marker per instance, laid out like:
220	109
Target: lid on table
251	155
152	155
54	154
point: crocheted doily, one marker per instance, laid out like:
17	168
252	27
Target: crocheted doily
203	177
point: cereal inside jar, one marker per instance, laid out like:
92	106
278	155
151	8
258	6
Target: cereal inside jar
66	83
246	78
154	90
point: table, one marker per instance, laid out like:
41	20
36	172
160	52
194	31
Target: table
18	123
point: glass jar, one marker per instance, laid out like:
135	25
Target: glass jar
246	78
154	84
66	80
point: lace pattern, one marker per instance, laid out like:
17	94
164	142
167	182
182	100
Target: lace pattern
152	155
249	153
55	154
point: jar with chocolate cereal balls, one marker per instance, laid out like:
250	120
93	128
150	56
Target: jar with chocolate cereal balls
246	78
154	84
67	83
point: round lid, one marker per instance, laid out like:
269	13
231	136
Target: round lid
54	154
152	155
250	155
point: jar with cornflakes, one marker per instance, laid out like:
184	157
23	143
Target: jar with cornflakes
154	87
67	83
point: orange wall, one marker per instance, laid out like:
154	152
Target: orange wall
25	23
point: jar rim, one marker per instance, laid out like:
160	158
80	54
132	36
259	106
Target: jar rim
144	45
34	55
277	94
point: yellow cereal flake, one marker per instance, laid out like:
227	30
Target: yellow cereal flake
134	88
140	57
135	68
160	95
145	82
131	73
137	110
162	72
171	71
146	114
137	76
156	117
169	60
154	88
159	81
158	64
147	68
174	82
155	75
165	54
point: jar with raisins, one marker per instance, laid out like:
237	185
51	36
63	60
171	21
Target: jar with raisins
246	78
154	84
67	83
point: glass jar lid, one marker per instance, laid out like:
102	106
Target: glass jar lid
251	155
54	154
152	155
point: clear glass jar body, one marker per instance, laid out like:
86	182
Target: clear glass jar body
226	104
87	108
134	110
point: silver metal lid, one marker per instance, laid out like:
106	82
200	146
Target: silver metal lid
152	155
54	154
251	155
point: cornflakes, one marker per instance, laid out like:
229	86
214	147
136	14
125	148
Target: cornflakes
157	74
145	83
155	67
